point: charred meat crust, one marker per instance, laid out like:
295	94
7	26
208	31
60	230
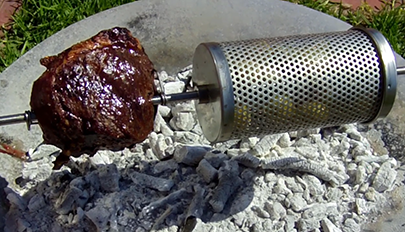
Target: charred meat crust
96	94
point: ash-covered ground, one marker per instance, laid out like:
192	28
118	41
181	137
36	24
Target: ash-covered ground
334	179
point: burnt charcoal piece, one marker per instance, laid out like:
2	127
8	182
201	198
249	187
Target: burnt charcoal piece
96	94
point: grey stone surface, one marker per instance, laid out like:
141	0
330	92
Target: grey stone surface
276	210
297	202
264	146
215	159
99	216
284	140
190	155
109	178
384	178
164	111
260	212
163	166
174	87
228	182
38	170
328	226
152	182
247	160
43	151
314	185
183	121
207	171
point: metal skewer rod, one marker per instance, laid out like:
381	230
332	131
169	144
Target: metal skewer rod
163	99
401	70
12	119
29	117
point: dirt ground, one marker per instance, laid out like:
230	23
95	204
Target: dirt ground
7	9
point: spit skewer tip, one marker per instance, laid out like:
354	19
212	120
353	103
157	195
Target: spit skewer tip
29	118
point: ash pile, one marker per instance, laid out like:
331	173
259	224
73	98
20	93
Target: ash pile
334	179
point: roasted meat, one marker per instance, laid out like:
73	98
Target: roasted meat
96	94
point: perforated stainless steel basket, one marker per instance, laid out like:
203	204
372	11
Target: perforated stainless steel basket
273	85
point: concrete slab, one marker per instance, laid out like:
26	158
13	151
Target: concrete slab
169	31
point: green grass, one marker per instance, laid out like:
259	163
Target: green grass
39	19
389	19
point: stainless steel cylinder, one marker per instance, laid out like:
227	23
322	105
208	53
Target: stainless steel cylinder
273	85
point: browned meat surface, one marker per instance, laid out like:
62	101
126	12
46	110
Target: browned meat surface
96	94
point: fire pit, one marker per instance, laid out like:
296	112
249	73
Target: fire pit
337	178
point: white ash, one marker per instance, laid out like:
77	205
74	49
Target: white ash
334	179
174	87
